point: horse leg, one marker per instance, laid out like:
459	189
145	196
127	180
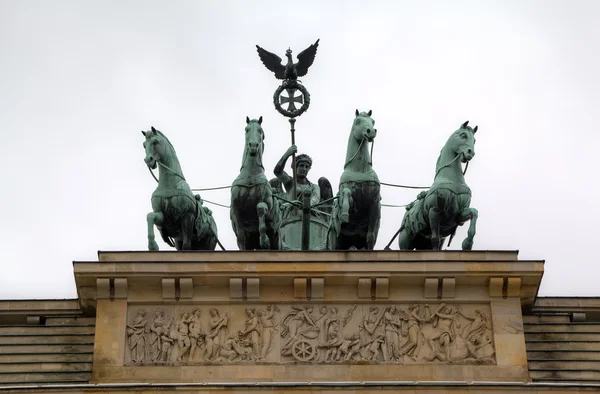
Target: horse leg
373	226
346	200
466	214
434	223
153	218
262	209
187	230
404	240
236	224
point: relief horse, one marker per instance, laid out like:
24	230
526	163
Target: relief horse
438	211
255	216
356	215
178	214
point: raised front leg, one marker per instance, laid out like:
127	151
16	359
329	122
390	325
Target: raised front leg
469	214
345	201
153	218
262	209
434	223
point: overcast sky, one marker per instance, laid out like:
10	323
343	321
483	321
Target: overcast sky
80	79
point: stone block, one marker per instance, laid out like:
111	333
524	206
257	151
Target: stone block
168	288
186	288
33	320
496	285
120	288
252	288
317	286
513	287
431	288
300	288
448	287
364	287
578	316
235	288
102	288
382	286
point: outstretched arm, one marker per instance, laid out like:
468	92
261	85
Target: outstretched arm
283	176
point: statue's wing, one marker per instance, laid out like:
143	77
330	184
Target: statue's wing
272	62
306	59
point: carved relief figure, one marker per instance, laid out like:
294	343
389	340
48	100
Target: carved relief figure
153	337
183	339
392	326
166	341
266	318
371	328
137	337
412	330
196	333
252	332
219	328
477	326
445	320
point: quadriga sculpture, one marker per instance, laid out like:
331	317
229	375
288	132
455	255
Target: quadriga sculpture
356	216
255	216
178	214
438	211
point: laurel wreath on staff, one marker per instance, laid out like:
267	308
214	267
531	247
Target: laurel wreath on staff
291	85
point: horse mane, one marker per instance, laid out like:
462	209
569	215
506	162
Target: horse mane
260	163
166	139
174	154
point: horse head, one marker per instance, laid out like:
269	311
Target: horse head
154	146
364	127
254	137
462	142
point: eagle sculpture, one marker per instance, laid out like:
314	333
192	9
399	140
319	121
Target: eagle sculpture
291	71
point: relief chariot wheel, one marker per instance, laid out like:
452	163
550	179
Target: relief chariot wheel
303	350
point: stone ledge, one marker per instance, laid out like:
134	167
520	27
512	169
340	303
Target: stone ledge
293	256
404	273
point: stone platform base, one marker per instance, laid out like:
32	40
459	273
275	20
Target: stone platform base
234	317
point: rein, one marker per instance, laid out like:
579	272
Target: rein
358	150
449	164
165	167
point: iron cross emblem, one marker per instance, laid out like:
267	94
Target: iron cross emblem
291	99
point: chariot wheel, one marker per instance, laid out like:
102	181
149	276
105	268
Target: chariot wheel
303	350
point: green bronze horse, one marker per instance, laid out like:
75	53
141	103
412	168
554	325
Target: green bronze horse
179	215
438	211
356	215
254	213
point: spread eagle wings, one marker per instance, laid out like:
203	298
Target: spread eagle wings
306	59
273	62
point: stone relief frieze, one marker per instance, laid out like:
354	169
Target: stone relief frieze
316	333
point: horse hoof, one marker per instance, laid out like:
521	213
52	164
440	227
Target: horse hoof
152	245
345	218
467	244
264	241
